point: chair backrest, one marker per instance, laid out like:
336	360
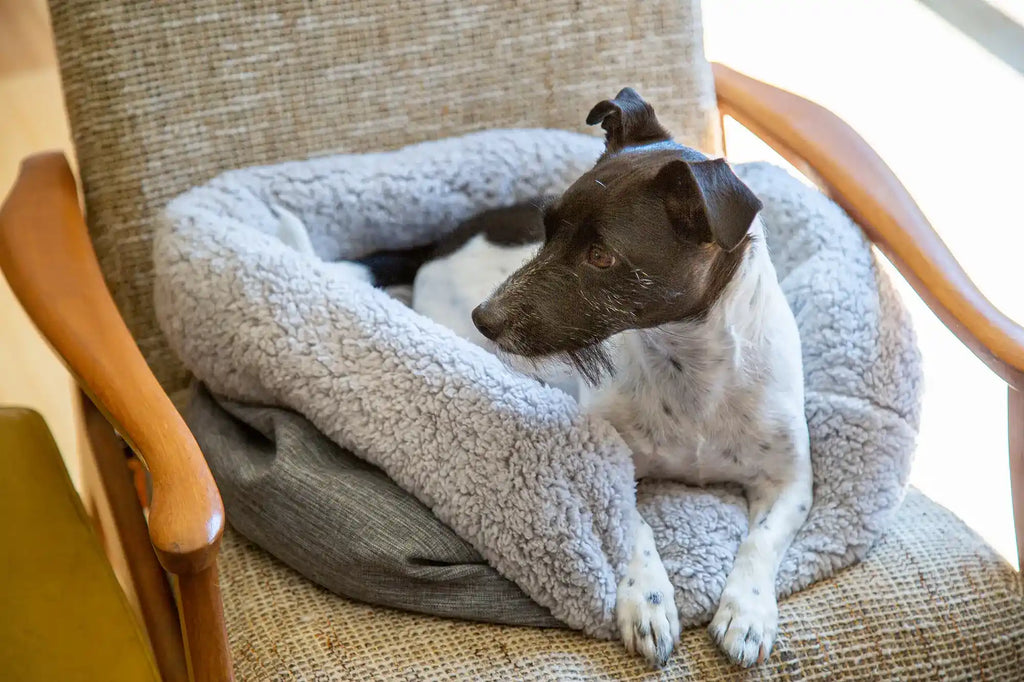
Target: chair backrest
161	96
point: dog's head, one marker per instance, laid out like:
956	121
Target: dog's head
652	234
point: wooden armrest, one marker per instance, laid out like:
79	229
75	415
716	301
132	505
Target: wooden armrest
47	256
809	136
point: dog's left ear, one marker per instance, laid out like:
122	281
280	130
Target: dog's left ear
708	197
627	120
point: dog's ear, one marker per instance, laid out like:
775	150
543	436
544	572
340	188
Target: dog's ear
709	198
627	120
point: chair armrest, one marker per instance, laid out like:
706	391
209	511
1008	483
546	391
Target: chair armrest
811	137
48	259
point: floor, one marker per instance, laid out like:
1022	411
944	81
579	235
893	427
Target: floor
943	111
31	119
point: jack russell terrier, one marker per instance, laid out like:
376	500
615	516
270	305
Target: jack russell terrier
650	276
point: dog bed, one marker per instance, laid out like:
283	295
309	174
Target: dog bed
513	467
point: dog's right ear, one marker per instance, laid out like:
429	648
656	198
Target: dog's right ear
627	120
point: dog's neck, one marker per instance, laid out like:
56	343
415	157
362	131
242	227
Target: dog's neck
735	317
698	355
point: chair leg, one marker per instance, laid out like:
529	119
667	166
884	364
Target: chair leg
1015	403
109	468
202	620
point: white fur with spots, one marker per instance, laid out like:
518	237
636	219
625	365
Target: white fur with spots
711	401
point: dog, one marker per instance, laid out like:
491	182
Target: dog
651	278
645	290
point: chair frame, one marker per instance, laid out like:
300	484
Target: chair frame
171	557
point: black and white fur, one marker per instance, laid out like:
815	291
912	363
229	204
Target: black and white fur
698	366
714	398
720	400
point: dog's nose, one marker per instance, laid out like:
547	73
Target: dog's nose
489	321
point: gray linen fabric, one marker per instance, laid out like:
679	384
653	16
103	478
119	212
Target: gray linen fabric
541	490
342	522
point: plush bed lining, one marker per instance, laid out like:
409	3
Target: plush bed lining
538	489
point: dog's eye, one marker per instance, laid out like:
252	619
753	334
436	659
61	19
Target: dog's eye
600	257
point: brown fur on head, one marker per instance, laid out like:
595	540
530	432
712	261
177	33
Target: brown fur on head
651	235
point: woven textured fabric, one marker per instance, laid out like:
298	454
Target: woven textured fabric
162	96
931	602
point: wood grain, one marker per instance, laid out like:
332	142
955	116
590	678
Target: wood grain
148	581
25	42
31	119
811	137
95	498
202	620
48	259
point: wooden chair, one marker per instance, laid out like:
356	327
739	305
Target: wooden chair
162	96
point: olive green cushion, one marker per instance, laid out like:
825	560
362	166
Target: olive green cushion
63	615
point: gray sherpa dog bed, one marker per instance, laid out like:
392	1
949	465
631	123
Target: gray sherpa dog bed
539	489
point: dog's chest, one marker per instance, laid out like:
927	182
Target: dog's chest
685	415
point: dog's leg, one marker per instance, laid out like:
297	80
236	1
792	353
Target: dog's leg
746	622
645	602
292	232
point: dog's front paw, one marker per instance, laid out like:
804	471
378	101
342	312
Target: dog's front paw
746	622
646	608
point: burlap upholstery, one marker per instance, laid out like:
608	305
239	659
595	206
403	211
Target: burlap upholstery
931	602
163	95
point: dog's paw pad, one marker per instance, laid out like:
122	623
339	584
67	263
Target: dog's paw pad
647	616
745	625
